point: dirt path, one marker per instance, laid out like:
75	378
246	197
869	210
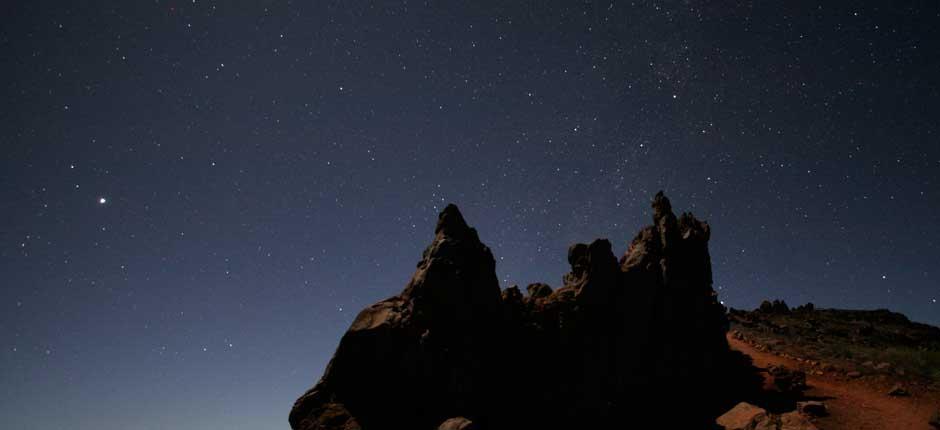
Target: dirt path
853	404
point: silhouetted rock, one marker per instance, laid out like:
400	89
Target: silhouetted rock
324	416
808	307
605	347
775	307
539	290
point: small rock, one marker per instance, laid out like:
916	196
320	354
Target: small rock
882	366
812	408
458	423
869	363
744	416
788	380
795	421
854	374
768	422
898	390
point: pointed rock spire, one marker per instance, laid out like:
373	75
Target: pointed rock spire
661	207
450	222
455	280
665	222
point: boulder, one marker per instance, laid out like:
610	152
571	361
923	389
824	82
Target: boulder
812	408
458	423
744	416
935	419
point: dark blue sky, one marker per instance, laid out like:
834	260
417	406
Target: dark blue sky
269	168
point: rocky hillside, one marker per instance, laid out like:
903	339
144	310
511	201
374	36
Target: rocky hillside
636	340
873	344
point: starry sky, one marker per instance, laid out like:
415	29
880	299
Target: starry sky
198	196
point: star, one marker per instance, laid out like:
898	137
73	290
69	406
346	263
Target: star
102	200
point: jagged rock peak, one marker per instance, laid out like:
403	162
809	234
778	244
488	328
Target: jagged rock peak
661	207
437	351
450	222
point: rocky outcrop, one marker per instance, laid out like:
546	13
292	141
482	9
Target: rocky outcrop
613	341
745	416
774	307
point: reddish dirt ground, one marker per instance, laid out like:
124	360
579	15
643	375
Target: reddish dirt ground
856	404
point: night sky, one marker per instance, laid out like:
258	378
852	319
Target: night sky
198	197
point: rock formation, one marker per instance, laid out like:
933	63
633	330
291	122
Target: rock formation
746	416
620	341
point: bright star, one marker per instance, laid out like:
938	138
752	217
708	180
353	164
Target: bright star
102	200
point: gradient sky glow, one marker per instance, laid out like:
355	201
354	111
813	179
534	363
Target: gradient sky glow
198	196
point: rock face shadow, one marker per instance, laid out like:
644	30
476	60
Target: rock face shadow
622	343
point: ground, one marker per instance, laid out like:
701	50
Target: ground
854	403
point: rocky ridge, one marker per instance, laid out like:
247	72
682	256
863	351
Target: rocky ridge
621	341
870	344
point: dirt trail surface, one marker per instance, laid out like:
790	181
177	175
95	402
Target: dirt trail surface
856	404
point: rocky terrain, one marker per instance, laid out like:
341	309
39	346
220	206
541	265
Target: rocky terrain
874	369
639	341
866	344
